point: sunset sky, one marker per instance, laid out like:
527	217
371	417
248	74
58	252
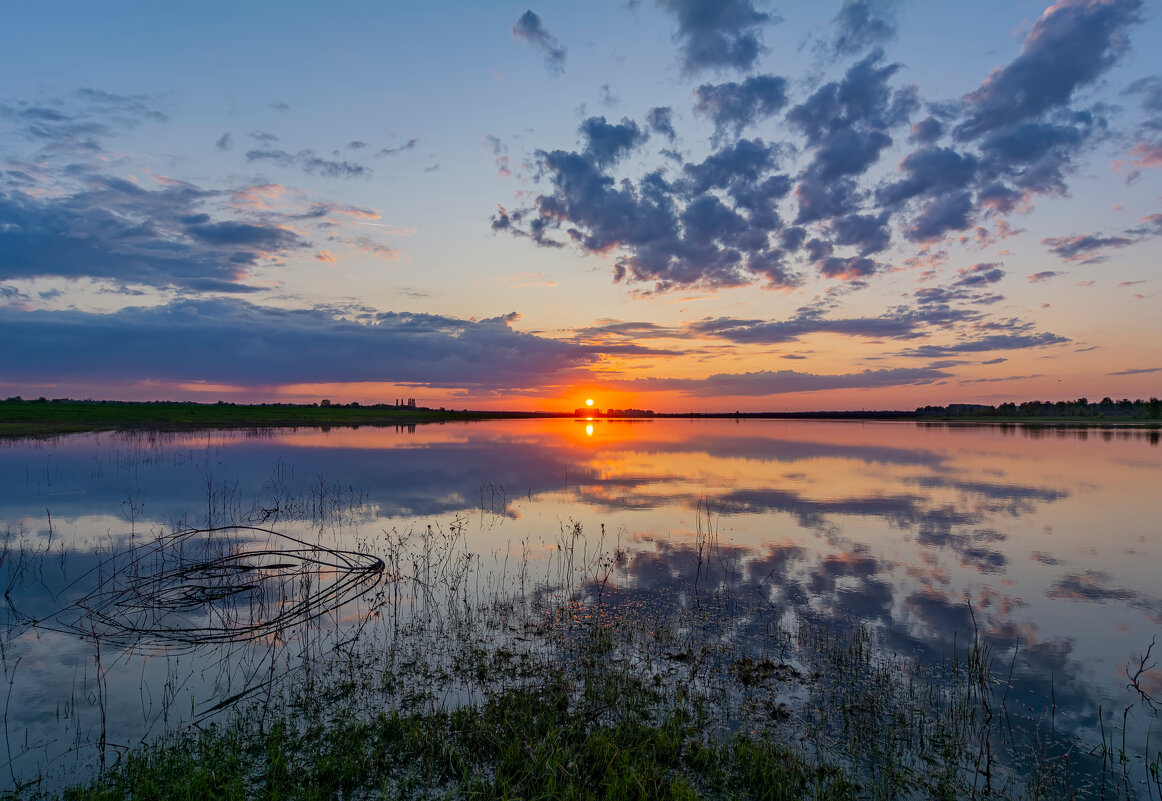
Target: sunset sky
684	205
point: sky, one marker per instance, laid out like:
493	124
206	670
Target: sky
681	205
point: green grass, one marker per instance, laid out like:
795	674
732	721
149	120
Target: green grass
543	741
38	418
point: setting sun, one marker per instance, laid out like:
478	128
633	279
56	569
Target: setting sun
589	401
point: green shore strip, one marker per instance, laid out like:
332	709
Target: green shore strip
42	417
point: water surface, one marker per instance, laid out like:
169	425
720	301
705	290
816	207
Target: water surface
1044	542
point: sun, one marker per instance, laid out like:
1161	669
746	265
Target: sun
589	401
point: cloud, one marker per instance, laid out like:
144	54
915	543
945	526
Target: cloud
928	130
780	382
78	122
850	268
308	162
530	28
1150	89
941	215
117	230
1146	154
1085	248
368	245
661	121
847	124
862	231
718	34
861	24
978	275
1138	371
734	106
225	141
391	151
897	323
759	210
929	171
186	340
670	233
606	331
1044	275
606	144
1009	341
1069	47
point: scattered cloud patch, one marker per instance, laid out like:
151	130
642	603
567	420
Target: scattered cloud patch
718	34
310	163
80	121
530	28
757	211
660	120
735	106
391	151
1085	248
861	24
979	275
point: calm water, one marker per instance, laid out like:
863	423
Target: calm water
1050	539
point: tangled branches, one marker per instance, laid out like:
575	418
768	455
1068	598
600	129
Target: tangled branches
213	585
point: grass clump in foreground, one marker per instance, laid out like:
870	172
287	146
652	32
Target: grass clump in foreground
597	737
587	724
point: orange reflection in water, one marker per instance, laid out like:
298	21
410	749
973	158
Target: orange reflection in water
818	460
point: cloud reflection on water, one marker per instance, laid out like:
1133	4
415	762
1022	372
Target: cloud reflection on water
893	525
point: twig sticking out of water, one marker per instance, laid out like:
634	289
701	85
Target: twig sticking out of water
1136	677
185	590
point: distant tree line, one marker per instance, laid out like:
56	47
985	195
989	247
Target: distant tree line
324	403
585	412
1106	408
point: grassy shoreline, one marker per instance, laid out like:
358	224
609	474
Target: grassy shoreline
40	418
34	418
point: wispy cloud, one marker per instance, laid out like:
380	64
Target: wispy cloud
782	382
1138	371
310	163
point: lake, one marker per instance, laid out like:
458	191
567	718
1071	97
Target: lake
154	580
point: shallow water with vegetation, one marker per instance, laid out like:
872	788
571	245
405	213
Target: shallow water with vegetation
570	607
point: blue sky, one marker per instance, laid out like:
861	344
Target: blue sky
675	204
